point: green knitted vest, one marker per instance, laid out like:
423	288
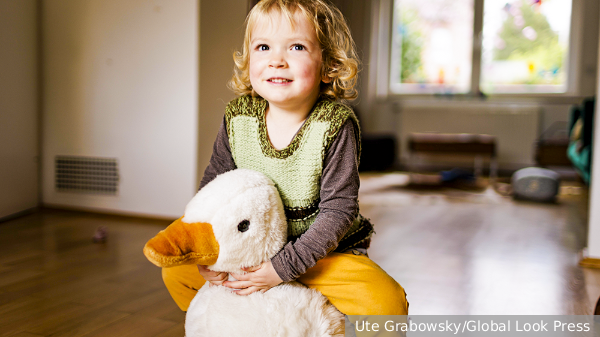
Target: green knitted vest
296	170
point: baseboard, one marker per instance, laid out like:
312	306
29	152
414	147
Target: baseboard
566	173
112	213
588	262
19	214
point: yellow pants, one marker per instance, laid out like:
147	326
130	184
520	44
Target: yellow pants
353	283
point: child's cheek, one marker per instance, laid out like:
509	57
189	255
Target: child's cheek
312	73
254	72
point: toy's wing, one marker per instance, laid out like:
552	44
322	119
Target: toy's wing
183	243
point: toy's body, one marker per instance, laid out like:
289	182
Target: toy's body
238	221
289	309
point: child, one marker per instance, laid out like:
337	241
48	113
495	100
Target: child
298	59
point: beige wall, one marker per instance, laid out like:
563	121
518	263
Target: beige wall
121	81
221	33
18	106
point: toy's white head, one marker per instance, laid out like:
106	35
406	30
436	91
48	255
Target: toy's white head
247	218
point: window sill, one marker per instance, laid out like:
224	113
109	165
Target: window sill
429	99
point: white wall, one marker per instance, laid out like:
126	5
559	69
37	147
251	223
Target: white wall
594	206
121	81
585	38
513	126
18	106
222	32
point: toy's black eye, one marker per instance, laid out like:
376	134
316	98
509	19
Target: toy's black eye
244	226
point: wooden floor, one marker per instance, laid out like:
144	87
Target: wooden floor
474	252
455	251
55	282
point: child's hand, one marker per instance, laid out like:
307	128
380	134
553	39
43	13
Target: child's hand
214	277
260	278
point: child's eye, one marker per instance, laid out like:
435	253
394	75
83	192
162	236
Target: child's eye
263	47
298	47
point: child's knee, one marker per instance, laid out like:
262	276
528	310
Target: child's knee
399	301
390	298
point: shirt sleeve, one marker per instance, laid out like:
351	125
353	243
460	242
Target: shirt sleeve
337	210
221	160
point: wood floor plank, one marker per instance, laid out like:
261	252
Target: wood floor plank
165	309
143	302
81	324
31	308
16	308
114	298
26	334
23	253
16	276
134	326
36	317
176	331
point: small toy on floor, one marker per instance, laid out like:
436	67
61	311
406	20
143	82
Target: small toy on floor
100	235
456	174
237	221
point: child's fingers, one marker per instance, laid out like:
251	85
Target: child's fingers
248	291
251	269
211	275
219	276
216	283
242	277
202	269
238	284
216	280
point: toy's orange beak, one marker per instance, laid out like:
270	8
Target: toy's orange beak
183	243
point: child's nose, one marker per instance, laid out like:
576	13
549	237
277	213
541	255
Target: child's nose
277	61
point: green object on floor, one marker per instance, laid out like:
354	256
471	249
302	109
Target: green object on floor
580	160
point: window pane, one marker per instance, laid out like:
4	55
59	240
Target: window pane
432	46
525	44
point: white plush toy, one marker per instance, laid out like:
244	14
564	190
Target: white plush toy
238	221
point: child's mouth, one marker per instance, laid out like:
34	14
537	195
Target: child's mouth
279	80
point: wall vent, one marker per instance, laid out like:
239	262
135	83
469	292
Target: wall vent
86	174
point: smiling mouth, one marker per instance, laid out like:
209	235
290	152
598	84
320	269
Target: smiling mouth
279	80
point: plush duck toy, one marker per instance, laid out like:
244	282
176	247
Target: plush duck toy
237	221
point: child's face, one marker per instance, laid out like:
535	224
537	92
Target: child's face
285	63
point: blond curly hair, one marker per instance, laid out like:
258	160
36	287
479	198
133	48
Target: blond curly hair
340	62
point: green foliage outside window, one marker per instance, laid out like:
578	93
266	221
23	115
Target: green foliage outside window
527	36
412	45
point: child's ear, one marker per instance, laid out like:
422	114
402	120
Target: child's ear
326	79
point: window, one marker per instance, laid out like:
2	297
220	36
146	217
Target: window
523	46
432	43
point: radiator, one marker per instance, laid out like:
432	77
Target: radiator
516	126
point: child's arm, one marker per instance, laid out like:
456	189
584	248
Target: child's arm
221	160
338	208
